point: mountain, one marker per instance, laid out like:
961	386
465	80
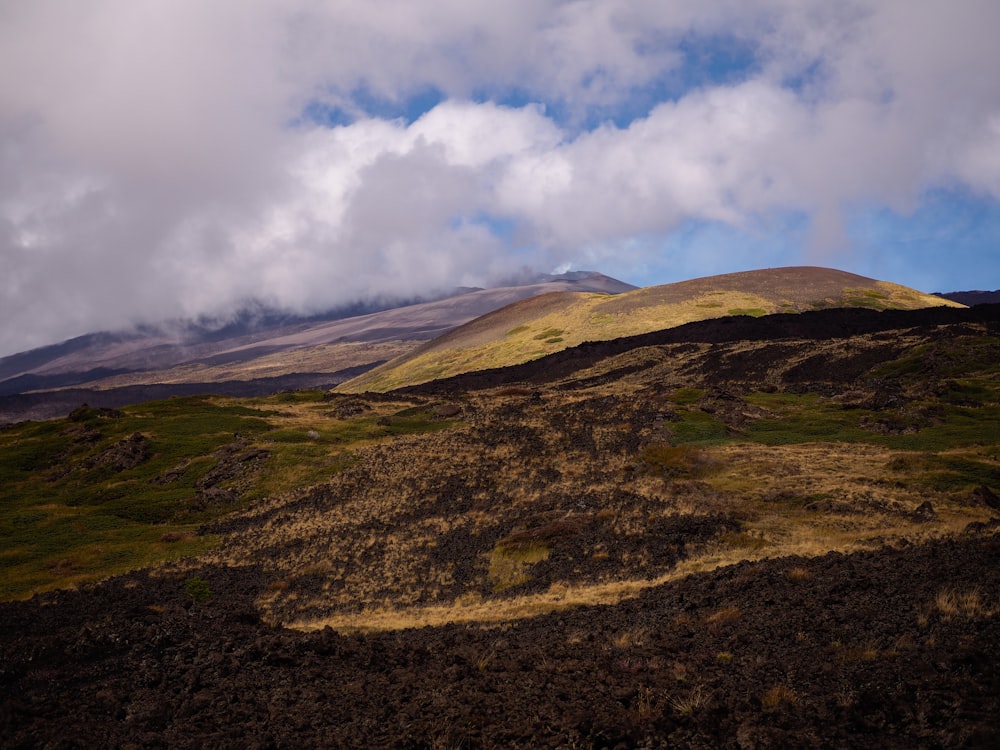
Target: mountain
544	324
972	297
259	351
740	532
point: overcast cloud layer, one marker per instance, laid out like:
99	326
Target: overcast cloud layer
167	159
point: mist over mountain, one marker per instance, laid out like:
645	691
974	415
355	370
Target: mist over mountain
257	350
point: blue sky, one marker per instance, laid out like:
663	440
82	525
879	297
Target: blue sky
163	160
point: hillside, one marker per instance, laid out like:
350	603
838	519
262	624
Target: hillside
536	327
260	352
742	532
971	298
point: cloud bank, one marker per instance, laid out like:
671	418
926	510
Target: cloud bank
165	159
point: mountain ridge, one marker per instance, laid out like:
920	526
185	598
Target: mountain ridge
534	328
194	344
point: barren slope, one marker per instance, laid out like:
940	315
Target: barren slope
187	353
536	327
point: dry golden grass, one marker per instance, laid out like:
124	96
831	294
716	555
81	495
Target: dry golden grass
532	328
748	488
799	574
631	638
723	616
510	567
489	502
951	603
777	695
687	704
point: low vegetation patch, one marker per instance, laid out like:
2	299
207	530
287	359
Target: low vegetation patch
675	461
105	491
511	566
969	603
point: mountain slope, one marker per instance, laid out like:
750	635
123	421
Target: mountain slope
533	328
742	532
970	298
257	354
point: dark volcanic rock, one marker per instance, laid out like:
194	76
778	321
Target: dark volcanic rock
986	496
814	326
123	455
871	650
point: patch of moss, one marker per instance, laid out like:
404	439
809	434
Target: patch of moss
697	427
510	567
549	333
686	396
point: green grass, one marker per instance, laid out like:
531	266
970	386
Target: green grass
808	427
686	396
872	299
803	418
550	333
698	428
959	471
965	357
67	518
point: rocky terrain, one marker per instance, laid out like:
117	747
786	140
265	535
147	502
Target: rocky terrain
749	533
894	648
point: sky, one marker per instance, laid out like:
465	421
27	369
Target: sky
169	159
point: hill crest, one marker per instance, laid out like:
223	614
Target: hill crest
542	325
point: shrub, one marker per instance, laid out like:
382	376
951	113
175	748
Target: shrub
776	696
197	589
799	574
670	461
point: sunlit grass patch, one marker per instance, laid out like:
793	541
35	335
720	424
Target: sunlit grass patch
88	547
686	396
510	566
968	603
676	461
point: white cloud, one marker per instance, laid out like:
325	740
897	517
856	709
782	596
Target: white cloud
154	161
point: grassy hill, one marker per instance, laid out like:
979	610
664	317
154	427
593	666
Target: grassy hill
536	327
325	480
